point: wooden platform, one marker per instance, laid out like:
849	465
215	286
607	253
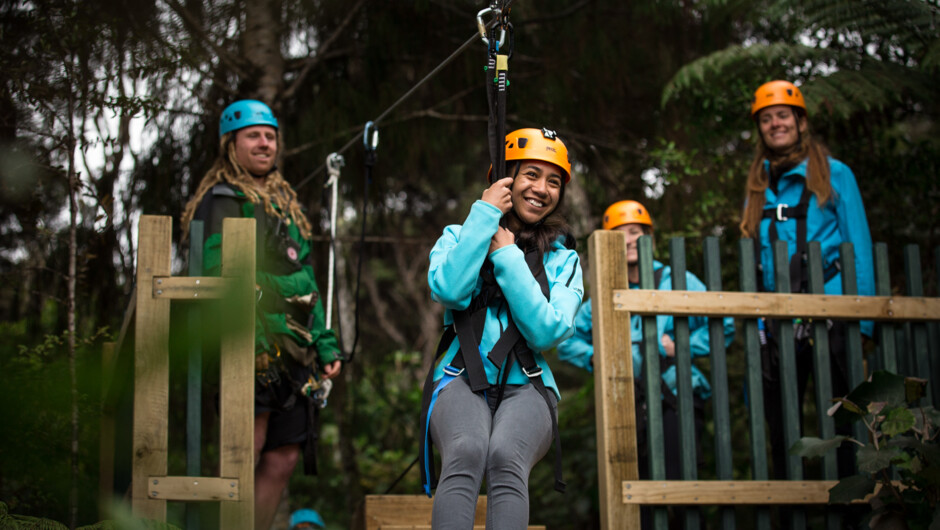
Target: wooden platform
408	512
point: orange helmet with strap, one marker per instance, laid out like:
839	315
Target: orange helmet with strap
777	93
626	212
536	144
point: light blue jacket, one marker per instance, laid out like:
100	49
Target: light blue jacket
841	219
579	349
454	279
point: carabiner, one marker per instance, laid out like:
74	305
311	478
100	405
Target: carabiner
370	146
481	26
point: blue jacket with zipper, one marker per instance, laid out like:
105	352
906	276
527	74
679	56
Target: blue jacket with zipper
454	279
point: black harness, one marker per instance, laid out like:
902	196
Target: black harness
799	277
510	347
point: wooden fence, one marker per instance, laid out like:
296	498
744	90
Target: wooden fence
907	343
151	487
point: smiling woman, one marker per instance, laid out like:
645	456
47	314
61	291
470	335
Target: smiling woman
510	283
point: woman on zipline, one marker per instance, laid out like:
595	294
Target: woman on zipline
291	338
508	272
797	193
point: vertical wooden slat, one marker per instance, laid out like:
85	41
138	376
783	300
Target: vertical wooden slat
887	342
915	287
194	373
683	358
822	373
106	437
151	366
822	376
791	405
934	336
613	381
755	383
720	398
652	379
236	376
853	334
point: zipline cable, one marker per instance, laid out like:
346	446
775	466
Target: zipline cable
408	94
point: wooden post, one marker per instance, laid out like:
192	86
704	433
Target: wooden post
613	381
237	364
151	366
886	341
194	323
105	437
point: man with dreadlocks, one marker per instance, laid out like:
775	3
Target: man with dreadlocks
291	336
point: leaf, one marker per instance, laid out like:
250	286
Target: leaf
876	406
914	388
851	488
871	460
898	421
811	447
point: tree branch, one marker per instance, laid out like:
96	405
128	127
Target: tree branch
321	50
190	20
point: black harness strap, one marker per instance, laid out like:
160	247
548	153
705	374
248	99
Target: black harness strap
798	262
468	330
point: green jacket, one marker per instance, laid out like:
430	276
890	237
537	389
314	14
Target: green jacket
283	272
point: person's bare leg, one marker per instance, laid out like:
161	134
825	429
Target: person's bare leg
271	477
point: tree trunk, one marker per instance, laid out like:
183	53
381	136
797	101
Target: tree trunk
261	45
70	308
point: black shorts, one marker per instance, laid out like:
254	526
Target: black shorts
289	422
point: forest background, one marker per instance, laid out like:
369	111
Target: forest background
110	110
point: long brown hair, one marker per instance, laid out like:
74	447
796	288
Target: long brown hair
817	172
277	192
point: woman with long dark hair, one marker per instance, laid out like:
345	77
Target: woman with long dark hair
511	285
796	192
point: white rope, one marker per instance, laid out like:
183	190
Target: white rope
334	162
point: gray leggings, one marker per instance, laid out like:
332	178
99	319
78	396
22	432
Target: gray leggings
473	441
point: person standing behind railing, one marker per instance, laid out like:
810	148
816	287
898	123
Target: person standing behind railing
797	193
291	338
633	219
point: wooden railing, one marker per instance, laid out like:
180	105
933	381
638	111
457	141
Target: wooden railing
149	312
621	493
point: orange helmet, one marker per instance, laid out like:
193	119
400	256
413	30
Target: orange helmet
777	93
626	212
537	144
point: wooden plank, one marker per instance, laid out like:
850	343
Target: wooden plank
790	401
822	373
776	305
853	332
652	378
194	335
194	488
887	339
747	268
407	511
721	400
151	367
428	527
105	442
191	288
736	492
727	492
613	380
915	287
236	378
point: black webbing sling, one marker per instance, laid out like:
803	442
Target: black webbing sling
468	330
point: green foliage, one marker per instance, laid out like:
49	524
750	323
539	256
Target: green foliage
902	437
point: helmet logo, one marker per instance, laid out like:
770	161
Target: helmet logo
552	149
549	134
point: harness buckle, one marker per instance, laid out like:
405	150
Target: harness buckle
453	372
780	216
536	373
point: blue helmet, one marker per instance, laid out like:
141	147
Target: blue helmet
245	113
306	515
